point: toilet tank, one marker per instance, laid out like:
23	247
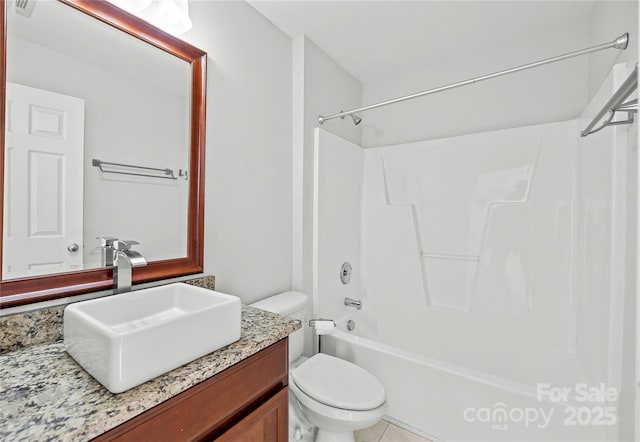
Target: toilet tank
292	304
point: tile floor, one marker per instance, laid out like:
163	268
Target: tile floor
384	431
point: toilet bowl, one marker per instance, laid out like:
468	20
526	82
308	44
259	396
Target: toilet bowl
333	395
337	396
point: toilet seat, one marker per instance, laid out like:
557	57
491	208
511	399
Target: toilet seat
333	418
337	383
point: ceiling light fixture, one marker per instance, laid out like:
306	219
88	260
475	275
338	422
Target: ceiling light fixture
132	6
172	16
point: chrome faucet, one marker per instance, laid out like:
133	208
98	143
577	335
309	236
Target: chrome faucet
124	259
350	302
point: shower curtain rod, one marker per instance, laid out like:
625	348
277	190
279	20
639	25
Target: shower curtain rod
619	43
616	104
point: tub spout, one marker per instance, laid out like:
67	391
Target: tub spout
350	302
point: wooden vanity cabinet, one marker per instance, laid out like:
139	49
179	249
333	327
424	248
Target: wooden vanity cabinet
246	402
265	423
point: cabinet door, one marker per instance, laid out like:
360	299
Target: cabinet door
267	423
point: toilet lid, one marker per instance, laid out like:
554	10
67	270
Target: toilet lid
339	383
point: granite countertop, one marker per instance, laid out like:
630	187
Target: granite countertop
45	395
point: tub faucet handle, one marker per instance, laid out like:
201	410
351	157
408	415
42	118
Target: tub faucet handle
350	302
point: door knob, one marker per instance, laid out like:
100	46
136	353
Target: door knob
73	247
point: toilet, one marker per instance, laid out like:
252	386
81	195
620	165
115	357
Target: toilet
333	395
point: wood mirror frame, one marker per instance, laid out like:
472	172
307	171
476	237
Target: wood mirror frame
20	291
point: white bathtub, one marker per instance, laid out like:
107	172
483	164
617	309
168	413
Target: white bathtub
442	401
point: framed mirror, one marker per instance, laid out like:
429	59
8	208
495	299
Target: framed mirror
103	135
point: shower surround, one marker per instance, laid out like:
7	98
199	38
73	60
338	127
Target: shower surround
491	269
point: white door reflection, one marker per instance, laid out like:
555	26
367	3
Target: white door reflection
43	182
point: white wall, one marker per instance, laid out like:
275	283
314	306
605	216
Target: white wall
320	87
248	156
126	121
549	93
337	199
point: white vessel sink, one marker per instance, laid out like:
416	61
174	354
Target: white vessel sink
125	340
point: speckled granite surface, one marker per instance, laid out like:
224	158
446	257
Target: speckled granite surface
46	396
206	282
24	329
